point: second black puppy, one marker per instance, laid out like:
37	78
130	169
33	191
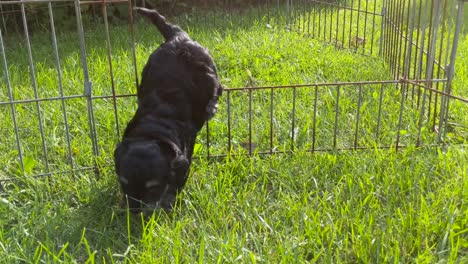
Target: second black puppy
178	93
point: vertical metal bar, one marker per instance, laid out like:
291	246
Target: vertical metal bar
451	65
12	105
415	75
344	24
111	72
389	40
430	34
430	63
229	119
351	24
60	83
314	126
383	29
365	27
299	11
432	53
428	57
308	21
400	39
421	53
357	23
314	9
87	83
407	48
293	121
34	84
319	26
385	36
331	23
379	115
250	122
132	40
394	45
358	115
400	119
324	23
296	15
421	45
337	110
394	34
450	26
443	58
439	68
271	120
391	34
373	27
410	42
337	26
304	18
292	16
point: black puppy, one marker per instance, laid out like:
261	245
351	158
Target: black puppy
178	93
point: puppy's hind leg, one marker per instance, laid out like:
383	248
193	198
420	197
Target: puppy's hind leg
167	29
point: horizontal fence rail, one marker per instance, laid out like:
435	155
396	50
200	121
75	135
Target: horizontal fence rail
319	117
73	125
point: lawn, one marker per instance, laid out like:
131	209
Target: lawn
370	206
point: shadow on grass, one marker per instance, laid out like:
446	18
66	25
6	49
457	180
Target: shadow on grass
66	218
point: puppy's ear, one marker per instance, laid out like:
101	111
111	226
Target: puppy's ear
179	169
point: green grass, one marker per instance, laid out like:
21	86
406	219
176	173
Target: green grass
368	207
374	206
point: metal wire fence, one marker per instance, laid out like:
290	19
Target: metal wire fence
43	132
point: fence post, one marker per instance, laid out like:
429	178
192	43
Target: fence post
429	64
88	88
443	120
406	72
382	28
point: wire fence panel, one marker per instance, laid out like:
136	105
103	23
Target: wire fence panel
55	119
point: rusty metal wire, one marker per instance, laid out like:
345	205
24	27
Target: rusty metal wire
417	40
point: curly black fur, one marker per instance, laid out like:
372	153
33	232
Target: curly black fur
178	93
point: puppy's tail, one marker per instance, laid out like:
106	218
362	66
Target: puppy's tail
168	30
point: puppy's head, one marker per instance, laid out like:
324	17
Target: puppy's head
150	174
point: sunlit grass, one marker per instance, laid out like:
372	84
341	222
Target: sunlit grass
375	206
